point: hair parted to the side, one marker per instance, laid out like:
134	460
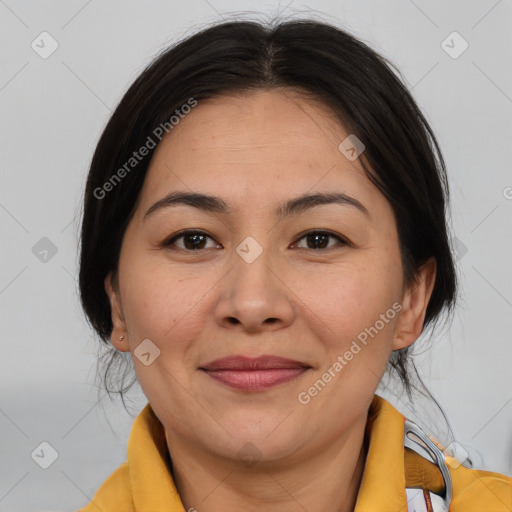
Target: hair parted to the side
402	157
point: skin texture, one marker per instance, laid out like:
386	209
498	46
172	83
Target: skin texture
295	300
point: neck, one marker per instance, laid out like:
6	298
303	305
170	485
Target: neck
328	479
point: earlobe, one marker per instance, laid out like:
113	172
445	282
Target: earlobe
118	335
415	301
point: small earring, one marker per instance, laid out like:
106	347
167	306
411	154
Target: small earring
120	338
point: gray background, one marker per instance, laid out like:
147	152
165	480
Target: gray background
52	113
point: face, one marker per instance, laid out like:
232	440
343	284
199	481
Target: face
316	287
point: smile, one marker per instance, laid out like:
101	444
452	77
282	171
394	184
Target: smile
254	374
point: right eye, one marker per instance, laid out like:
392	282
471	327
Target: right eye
193	240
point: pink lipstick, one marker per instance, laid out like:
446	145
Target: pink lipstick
254	374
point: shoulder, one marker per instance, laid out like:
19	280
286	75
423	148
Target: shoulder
472	490
113	494
475	490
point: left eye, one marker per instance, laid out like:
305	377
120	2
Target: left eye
319	239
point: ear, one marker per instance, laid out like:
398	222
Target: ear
118	323
414	303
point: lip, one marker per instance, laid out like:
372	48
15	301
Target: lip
254	374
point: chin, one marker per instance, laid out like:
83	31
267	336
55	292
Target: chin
273	436
261	451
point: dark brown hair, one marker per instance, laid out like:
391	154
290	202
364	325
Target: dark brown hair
401	156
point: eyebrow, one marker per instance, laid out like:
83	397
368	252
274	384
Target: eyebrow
213	204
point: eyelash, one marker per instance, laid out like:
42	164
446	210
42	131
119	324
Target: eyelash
168	243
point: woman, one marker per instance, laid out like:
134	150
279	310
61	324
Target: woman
264	232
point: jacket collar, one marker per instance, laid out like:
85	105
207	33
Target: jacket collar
152	485
153	488
383	479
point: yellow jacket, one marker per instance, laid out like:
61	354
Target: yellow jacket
144	483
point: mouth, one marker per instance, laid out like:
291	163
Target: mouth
254	374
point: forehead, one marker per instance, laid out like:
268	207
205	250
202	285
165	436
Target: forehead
254	121
261	144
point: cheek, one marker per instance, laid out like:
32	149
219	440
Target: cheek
168	311
352	298
162	304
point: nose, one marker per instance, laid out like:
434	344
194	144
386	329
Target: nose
255	296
